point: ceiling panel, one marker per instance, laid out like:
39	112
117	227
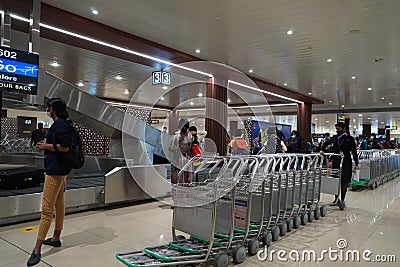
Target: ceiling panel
253	35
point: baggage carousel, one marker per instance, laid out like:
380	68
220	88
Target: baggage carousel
101	182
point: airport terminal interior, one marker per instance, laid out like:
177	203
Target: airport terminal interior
214	133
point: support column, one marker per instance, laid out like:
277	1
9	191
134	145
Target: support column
304	120
366	131
5	41
173	120
216	115
387	134
34	27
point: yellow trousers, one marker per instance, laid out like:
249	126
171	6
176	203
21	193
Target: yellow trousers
53	197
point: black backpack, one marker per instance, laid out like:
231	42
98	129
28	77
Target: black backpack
75	157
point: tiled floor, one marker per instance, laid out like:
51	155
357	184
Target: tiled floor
371	221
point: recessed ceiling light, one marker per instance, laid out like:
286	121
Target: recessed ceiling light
342	106
289	32
316	119
285	84
95	12
55	64
197	51
382	122
329	60
165	87
250	70
390	104
382	98
327	121
162	98
369	118
126	92
191	103
118	77
229	100
353	77
200	94
360	115
310	93
201	125
369	88
80	84
330	101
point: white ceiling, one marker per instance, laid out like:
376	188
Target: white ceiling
252	35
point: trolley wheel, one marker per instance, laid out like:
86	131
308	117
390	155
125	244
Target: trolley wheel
323	210
275	233
296	222
282	228
317	213
304	218
239	254
253	246
371	186
180	237
221	259
266	238
310	214
289	223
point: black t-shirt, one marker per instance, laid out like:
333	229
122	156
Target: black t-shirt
37	136
54	163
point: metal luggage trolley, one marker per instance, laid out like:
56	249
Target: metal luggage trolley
264	199
313	188
201	209
331	173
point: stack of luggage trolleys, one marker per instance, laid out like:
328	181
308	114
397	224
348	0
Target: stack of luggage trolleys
376	168
252	199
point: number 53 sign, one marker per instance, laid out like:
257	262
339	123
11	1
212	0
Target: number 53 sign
161	77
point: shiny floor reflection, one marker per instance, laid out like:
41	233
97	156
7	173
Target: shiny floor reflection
369	223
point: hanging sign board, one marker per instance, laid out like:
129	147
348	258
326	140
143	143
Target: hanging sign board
161	77
18	71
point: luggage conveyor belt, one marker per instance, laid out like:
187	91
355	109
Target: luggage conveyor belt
87	191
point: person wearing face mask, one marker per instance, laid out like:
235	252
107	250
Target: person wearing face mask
343	143
58	140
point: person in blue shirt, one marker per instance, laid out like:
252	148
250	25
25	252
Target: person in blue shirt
58	140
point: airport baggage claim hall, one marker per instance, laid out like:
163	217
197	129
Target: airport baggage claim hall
199	133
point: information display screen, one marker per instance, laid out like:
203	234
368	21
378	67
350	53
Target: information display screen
18	71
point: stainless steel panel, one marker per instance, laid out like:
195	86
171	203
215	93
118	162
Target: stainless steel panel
24	207
149	182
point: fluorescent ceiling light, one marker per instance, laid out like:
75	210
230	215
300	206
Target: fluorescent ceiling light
118	77
369	88
136	106
263	91
95	12
198	51
289	32
250	70
122	49
285	84
329	60
353	77
382	98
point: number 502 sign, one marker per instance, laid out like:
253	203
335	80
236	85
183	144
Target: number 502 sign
18	71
